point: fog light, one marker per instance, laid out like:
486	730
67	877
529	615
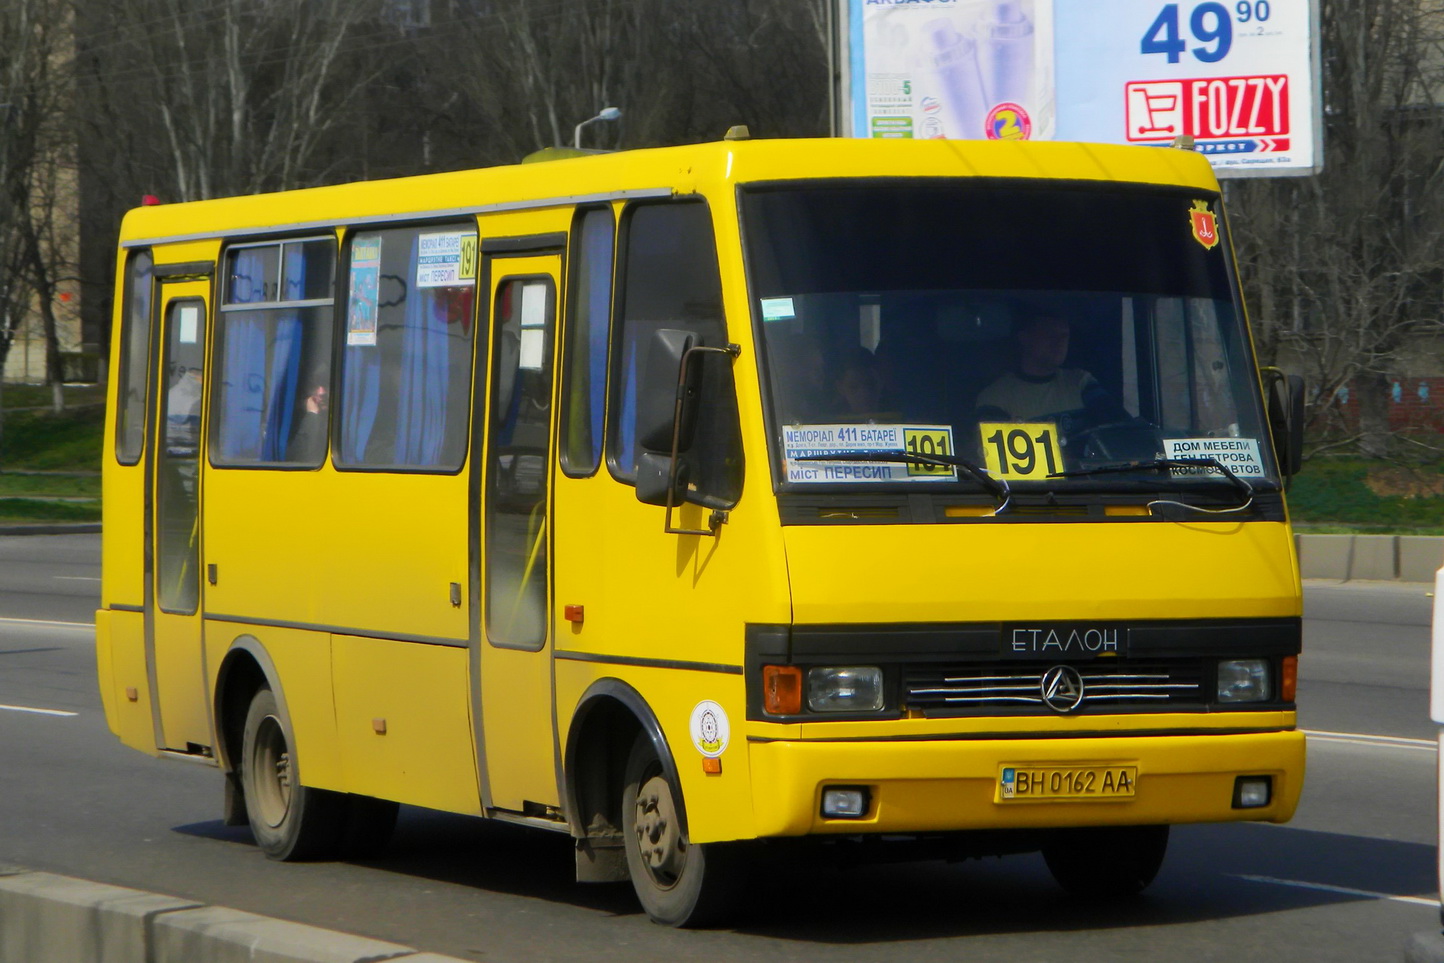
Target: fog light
850	803
1243	680
854	688
1252	792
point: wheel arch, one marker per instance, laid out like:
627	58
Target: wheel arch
245	668
608	717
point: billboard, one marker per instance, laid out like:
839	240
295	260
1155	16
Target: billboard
1240	78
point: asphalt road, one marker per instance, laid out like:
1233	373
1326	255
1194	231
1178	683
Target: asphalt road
1350	879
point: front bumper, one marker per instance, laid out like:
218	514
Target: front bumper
939	785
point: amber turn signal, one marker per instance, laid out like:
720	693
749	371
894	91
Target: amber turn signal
1290	681
781	690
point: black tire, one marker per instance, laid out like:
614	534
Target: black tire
678	884
289	821
1106	862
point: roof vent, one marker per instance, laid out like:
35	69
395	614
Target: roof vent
738	132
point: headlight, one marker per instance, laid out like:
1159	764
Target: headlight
1243	680
854	688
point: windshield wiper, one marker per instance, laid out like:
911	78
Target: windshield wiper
1163	465
996	486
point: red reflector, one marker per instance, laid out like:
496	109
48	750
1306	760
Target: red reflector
782	690
574	613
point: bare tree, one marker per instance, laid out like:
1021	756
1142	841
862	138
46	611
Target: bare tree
1343	269
230	96
36	169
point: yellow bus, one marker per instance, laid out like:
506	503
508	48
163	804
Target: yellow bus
691	500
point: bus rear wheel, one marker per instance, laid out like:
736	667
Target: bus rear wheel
289	821
1106	862
678	883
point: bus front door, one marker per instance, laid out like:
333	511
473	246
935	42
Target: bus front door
520	752
173	630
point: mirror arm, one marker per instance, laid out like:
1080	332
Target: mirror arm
717	518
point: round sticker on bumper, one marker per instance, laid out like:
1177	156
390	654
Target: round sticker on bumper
710	730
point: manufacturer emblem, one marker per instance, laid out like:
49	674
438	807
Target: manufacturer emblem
1205	224
1062	688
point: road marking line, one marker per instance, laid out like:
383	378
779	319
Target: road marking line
78	578
83	625
1344	890
1364	739
43	712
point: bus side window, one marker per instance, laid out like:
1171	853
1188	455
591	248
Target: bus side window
671	280
584	375
273	353
136	310
405	387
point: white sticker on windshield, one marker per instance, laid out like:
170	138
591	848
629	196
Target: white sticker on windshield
778	309
1240	455
807	449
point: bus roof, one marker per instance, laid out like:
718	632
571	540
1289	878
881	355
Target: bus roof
654	172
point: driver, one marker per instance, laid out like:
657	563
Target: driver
1040	385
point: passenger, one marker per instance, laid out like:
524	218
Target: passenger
1040	385
308	441
859	385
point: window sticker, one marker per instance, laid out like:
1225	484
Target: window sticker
802	446
1020	451
1204	223
1241	455
189	317
365	280
446	260
778	309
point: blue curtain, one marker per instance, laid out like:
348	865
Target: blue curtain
281	393
425	374
361	397
243	382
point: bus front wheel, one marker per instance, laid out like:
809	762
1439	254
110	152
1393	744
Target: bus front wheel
290	821
1108	861
678	883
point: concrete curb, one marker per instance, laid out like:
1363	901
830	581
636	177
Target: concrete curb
45	918
1383	558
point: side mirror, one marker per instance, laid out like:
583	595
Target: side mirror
662	384
1286	419
655	482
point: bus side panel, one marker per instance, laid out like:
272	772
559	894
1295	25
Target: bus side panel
122	499
719	806
403	715
301	661
120	658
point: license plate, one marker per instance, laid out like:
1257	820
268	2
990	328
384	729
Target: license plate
1017	783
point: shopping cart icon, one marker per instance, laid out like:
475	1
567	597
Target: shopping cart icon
1154	110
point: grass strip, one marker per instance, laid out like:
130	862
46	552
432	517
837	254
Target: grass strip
29	510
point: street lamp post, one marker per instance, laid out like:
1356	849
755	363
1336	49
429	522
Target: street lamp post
607	113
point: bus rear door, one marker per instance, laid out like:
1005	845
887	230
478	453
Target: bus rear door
173	622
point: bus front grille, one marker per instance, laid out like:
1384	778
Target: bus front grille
985	688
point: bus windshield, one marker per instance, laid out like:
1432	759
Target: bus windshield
1060	337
